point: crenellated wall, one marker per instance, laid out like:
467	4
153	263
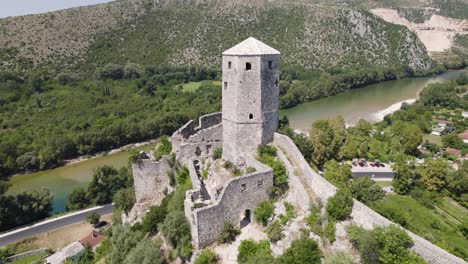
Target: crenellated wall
238	195
361	215
190	142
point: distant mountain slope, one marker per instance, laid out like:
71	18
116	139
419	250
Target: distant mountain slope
195	32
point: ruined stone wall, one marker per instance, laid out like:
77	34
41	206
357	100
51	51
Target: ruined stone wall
361	215
238	195
190	142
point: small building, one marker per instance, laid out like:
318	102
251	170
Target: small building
465	114
375	173
464	136
452	151
93	239
438	131
68	252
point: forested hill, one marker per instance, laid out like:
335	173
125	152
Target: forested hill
196	32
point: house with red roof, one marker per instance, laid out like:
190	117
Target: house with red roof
464	136
92	239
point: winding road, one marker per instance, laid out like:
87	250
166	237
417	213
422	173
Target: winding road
52	224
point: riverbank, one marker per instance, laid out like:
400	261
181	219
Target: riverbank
379	116
96	155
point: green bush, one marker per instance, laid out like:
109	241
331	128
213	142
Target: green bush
251	169
249	251
340	205
330	231
164	147
302	251
93	219
228	165
207	256
228	233
155	216
366	190
217	153
267	155
263	212
290	210
340	257
183	175
124	199
275	231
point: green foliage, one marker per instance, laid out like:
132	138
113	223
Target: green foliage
267	155
290	210
207	256
164	147
85	257
339	176
263	212
340	257
250	250
228	233
457	184
330	231
217	153
4	253
251	170
93	219
183	175
303	250
155	216
357	141
124	199
452	140
366	190
228	165
339	206
106	182
442	94
327	137
404	173
132	155
77	200
145	252
275	231
122	241
177	231
383	245
433	173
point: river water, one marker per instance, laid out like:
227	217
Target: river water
362	103
63	180
352	105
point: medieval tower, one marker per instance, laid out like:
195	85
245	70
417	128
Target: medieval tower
250	98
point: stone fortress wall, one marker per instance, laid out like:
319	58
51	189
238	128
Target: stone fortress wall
150	180
235	203
198	142
361	215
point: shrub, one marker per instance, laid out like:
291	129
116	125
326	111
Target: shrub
340	205
183	175
250	250
303	250
177	231
366	190
163	148
263	212
290	210
217	153
228	165
124	199
236	171
251	169
111	71
340	257
155	216
207	256
228	233
275	231
330	231
267	155
93	219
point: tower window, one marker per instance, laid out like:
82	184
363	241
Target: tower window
229	65
276	83
248	66
225	85
270	65
250	116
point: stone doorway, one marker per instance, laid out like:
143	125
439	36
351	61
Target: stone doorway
246	218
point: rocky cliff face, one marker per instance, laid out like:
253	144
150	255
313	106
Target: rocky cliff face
195	32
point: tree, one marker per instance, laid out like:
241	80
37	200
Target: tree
403	170
433	173
86	256
357	140
164	147
145	252
124	199
366	190
33	205
123	240
340	205
77	200
452	140
263	212
111	71
228	233
207	256
275	231
177	231
105	183
251	251
404	137
327	137
457	183
336	174
301	251
93	219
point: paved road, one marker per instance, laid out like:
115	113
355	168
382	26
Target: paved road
51	224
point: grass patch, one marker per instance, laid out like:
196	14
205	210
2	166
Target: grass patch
433	139
29	259
191	87
428	223
384	183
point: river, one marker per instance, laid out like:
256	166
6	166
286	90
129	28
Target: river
352	105
362	103
61	181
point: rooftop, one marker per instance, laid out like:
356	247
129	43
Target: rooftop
453	151
463	135
92	239
251	46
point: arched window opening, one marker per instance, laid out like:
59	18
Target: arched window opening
250	116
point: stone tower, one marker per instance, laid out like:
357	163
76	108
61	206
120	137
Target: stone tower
250	98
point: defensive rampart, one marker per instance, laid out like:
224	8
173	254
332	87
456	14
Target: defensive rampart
361	214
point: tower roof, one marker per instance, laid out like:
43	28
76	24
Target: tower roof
251	46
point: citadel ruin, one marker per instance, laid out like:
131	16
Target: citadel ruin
249	118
